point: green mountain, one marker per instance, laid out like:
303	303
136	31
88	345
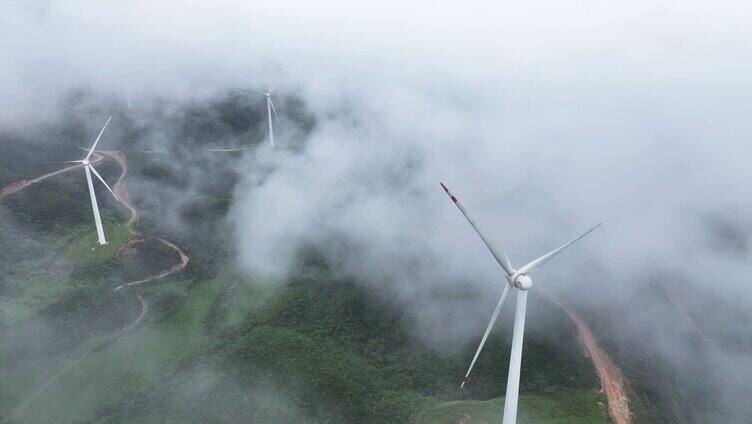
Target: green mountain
132	333
216	346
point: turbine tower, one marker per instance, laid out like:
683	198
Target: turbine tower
519	280
88	170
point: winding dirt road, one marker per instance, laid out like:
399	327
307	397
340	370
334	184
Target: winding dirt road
119	187
124	198
609	374
144	310
19	185
177	267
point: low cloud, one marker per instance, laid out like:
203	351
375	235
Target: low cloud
544	119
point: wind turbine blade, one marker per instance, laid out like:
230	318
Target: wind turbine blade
494	316
274	109
232	149
275	86
247	90
507	261
537	263
279	80
94	146
66	161
103	181
500	259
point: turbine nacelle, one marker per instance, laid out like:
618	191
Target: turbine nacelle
522	281
85	162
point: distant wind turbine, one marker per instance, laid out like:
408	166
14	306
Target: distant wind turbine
230	149
519	279
89	169
269	108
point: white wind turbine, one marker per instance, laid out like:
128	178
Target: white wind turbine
89	169
519	279
269	108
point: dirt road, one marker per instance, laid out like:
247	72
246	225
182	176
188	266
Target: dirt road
144	310
175	268
122	193
19	185
609	374
120	189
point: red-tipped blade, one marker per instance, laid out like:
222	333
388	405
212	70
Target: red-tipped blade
451	196
499	258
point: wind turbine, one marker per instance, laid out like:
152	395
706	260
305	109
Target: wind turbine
89	169
518	279
269	108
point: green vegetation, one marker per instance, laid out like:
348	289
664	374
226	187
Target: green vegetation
243	299
8	176
344	354
220	347
56	299
143	357
570	407
51	308
321	349
318	348
32	284
86	250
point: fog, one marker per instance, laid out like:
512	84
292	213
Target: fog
544	119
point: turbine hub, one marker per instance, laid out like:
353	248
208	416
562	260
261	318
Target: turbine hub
523	282
85	162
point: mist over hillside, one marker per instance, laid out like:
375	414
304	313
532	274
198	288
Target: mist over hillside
544	119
